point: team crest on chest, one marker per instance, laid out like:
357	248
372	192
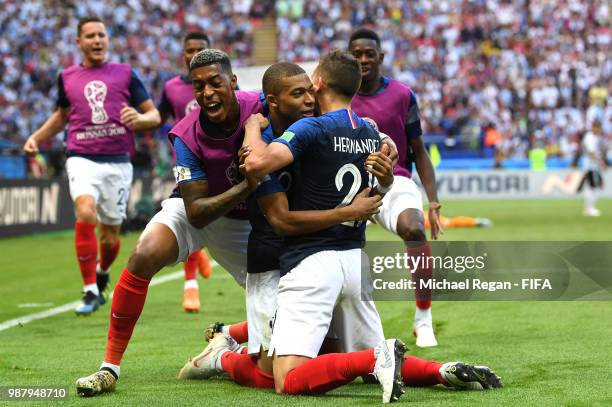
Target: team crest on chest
232	173
95	93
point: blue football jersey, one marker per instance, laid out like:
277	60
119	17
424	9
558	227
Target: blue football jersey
329	153
265	246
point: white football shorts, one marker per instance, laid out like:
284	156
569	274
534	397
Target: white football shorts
261	294
225	238
324	286
404	194
108	183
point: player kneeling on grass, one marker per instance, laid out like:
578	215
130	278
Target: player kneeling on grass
289	93
287	90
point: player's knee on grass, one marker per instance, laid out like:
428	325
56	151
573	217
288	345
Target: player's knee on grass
85	209
411	226
282	365
264	362
156	248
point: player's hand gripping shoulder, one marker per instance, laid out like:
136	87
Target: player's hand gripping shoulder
380	165
252	181
393	153
385	139
257	120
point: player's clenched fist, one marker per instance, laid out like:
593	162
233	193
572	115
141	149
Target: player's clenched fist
257	120
31	146
129	116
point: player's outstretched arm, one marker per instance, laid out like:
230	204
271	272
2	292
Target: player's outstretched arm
259	162
149	119
203	209
54	124
428	179
291	223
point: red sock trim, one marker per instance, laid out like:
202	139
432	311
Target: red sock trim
418	372
86	247
128	302
422	295
108	254
240	332
191	266
244	371
328	372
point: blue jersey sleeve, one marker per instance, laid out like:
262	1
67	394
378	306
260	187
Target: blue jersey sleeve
188	166
264	103
301	135
62	99
413	118
269	185
164	106
138	93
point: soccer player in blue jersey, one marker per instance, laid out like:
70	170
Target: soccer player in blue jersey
287	89
322	270
289	93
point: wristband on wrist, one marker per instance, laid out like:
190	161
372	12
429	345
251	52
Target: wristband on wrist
383	190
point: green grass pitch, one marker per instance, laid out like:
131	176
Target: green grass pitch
548	353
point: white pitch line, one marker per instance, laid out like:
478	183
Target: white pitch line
72	305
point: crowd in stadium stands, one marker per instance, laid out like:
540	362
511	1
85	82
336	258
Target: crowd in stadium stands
37	39
488	73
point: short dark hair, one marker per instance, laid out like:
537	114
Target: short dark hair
85	20
341	71
211	56
270	83
197	35
365	33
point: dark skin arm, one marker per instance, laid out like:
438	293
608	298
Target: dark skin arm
428	179
292	223
203	209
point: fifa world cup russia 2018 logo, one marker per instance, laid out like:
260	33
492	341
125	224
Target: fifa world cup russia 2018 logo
190	106
95	93
232	174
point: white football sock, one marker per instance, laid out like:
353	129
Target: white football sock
191	284
91	287
422	314
218	364
114	368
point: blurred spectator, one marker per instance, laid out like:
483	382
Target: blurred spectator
37	39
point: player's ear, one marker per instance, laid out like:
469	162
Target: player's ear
318	84
381	57
234	81
272	100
